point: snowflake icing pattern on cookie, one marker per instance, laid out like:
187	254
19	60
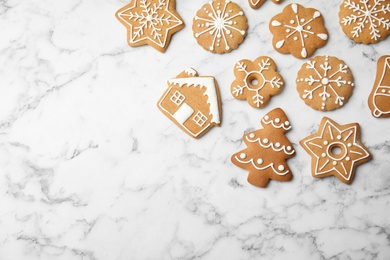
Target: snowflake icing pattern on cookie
298	30
325	83
150	21
220	26
256	81
366	21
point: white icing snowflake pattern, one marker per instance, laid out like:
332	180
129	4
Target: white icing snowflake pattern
367	16
299	27
253	94
220	22
150	21
327	85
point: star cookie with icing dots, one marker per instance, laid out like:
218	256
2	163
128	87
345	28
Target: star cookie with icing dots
298	30
150	22
336	150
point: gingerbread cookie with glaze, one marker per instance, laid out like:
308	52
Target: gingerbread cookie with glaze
298	30
220	26
192	102
151	22
255	4
336	150
256	81
365	21
267	150
379	99
325	83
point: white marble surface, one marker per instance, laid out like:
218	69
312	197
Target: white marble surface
91	169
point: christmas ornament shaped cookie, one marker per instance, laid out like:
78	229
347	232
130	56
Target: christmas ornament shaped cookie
151	22
336	150
256	81
379	99
298	30
365	21
255	4
192	102
325	83
220	26
267	150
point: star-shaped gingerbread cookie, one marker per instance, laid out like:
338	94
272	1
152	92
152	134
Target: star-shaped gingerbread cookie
336	150
150	22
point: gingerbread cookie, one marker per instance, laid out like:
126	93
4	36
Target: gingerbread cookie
336	150
267	150
379	99
325	83
298	30
365	21
256	81
192	102
150	22
220	26
255	4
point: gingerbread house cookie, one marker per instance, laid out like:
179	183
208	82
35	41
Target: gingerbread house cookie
192	102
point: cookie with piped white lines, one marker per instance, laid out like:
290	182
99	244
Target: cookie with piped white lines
255	4
298	30
220	26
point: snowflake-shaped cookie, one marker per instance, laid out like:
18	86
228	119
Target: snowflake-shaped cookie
298	30
256	81
365	21
325	83
150	22
336	150
220	26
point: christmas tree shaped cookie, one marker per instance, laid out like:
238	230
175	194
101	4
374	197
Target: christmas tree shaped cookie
267	150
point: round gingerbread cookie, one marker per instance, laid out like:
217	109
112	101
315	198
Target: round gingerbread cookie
325	83
298	30
365	21
220	26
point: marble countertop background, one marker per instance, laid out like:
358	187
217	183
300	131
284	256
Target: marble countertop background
91	169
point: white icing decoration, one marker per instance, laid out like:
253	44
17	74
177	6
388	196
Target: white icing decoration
157	19
183	113
277	147
242	155
276	23
219	23
266	82
259	161
377	112
281	168
271	165
323	36
279	44
340	168
367	17
299	29
211	92
285	127
190	72
319	76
